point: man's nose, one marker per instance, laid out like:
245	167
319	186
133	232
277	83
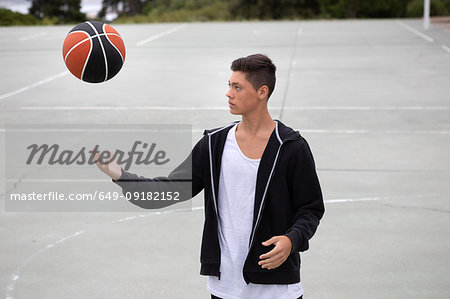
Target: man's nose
228	94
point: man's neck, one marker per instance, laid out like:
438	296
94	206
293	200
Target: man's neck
257	123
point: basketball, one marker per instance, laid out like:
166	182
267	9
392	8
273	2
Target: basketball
93	51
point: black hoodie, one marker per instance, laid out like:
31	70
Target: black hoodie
288	199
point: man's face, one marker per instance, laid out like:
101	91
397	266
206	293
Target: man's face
242	96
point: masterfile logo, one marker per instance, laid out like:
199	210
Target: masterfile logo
52	167
52	154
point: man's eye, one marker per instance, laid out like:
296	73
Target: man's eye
238	87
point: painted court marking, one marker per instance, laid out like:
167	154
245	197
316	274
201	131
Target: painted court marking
225	108
159	35
290	73
320	131
312	131
422	35
157	213
416	32
51	78
330	201
130	218
58	180
33	85
16	275
361	199
447	49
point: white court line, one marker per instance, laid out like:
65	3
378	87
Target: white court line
36	84
157	213
372	132
164	33
58	180
375	108
447	49
341	200
313	131
225	108
16	275
119	108
337	200
409	28
441	132
135	130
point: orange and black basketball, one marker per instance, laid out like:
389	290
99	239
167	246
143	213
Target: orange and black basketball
93	51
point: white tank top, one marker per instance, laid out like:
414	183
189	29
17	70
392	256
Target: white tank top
235	204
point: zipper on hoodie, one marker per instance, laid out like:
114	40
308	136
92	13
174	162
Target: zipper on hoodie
258	219
212	178
262	202
214	195
212	186
211	171
264	194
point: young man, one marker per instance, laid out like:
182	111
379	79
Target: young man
263	200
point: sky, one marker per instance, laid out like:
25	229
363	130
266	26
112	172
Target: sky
90	7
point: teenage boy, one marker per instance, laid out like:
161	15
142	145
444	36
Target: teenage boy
263	200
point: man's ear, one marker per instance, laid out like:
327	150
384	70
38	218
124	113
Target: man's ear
263	92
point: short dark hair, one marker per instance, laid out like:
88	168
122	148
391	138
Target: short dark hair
259	70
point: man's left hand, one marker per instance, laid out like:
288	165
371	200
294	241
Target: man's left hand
278	254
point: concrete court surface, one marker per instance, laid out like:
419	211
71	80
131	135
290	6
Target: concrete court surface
371	97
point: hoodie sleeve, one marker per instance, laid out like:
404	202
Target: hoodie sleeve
183	183
307	198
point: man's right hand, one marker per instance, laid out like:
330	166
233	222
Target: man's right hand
108	166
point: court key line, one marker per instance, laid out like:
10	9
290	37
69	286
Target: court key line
343	200
447	49
16	275
416	32
336	200
393	132
36	84
290	71
422	35
159	35
313	131
443	132
225	108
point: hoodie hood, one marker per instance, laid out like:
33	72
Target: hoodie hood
282	132
286	133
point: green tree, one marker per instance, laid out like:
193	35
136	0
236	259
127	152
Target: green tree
382	9
122	7
10	18
363	9
437	8
274	9
66	11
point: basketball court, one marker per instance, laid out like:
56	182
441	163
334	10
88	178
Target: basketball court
371	98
